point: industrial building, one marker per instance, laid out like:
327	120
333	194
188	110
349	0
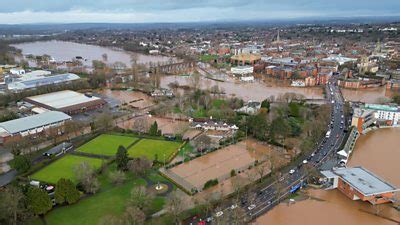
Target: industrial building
31	125
67	101
38	78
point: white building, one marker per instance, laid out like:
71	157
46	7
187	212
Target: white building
242	70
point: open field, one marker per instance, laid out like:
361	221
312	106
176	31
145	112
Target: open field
106	144
64	168
149	148
90	210
218	164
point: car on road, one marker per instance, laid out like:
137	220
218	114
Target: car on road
292	171
313	154
234	206
305	161
252	206
281	179
218	214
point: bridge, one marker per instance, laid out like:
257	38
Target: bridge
174	68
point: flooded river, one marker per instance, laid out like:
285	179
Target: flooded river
379	152
256	91
65	51
371	95
327	208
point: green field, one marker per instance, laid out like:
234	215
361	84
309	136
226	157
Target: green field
64	168
149	148
90	210
106	144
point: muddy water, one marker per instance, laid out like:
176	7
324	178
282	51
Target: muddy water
167	126
65	51
133	98
328	208
220	163
379	152
256	91
372	95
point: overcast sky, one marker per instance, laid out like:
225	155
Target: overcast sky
137	11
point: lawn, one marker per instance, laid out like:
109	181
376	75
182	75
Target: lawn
64	168
90	210
149	148
106	144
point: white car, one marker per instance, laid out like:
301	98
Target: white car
305	161
218	214
252	206
209	219
234	206
313	154
292	171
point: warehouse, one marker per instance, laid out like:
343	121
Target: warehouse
67	101
31	82
31	125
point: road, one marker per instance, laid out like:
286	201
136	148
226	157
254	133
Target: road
269	196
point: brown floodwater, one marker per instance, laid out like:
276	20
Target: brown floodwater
220	163
133	98
327	208
379	152
65	51
371	95
167	126
256	91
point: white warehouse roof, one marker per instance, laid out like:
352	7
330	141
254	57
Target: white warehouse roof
32	122
62	99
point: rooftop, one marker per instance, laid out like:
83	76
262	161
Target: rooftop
364	181
62	99
41	81
31	122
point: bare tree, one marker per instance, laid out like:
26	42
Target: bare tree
85	174
133	216
174	206
140	125
140	198
139	166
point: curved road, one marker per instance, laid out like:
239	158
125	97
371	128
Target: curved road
267	197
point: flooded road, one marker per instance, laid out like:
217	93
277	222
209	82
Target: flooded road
379	152
327	208
65	51
256	91
371	95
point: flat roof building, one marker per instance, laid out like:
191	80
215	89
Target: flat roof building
67	101
21	84
31	125
360	184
